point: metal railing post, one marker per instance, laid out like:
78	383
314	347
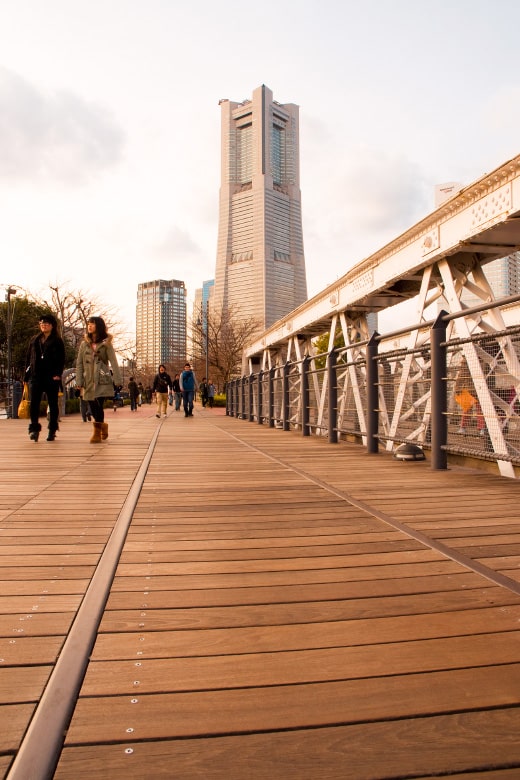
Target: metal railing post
260	397
439	402
232	398
285	397
304	386
250	411
270	397
332	397
242	414
235	398
372	375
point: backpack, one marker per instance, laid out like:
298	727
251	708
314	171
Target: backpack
188	380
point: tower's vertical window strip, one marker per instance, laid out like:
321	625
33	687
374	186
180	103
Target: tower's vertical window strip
277	155
245	154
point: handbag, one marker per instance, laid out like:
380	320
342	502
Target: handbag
24	407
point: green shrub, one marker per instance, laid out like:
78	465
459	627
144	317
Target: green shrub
72	406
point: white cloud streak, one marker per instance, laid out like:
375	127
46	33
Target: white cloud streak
53	136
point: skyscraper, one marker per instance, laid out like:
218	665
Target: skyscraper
200	323
260	268
503	275
161	324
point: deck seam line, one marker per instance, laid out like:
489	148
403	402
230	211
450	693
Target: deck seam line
40	748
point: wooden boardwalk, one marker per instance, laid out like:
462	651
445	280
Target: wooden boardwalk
281	608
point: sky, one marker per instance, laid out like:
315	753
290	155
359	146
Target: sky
110	127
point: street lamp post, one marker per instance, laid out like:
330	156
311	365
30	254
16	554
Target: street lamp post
206	336
205	333
10	411
202	322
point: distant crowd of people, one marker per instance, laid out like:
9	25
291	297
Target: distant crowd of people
98	378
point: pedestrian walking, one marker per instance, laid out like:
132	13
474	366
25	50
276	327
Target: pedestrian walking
97	372
161	387
45	364
176	387
188	383
84	407
211	393
203	388
133	392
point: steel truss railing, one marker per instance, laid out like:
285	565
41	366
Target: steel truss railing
446	394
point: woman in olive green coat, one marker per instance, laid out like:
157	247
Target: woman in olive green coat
97	373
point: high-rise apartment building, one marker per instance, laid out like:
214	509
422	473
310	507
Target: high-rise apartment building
200	318
503	275
161	324
260	268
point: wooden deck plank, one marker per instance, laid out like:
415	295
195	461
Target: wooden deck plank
13	723
268	639
175	554
286	613
200	672
293	577
35	623
30	650
292	593
439	745
163	716
22	684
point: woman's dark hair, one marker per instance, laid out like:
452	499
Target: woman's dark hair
161	366
101	330
51	320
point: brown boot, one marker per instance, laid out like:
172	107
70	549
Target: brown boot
96	434
104	431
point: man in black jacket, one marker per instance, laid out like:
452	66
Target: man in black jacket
45	364
161	387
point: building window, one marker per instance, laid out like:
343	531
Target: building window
278	154
245	154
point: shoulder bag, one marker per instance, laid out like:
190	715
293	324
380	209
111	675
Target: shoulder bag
24	407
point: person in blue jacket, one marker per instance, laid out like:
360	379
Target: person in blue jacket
189	385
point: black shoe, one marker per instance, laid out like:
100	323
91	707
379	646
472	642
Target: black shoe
51	436
34	431
158	415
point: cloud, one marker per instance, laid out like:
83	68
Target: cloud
383	193
502	110
53	136
355	201
367	197
178	246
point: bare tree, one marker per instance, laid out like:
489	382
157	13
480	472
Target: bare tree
227	334
74	307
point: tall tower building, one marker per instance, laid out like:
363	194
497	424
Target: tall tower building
260	268
161	324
